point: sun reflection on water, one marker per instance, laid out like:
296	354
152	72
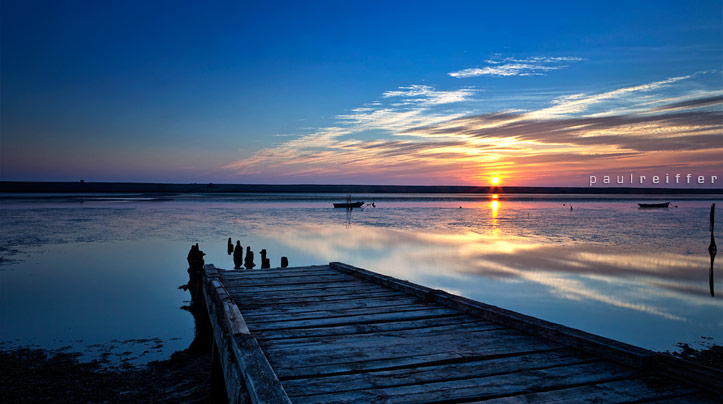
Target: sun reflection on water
494	205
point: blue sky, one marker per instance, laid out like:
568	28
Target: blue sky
372	92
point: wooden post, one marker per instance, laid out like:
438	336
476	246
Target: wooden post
249	262
264	261
712	250
238	255
203	332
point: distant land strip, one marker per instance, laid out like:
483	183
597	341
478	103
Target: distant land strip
159	188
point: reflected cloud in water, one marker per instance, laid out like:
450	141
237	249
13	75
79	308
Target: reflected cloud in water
649	283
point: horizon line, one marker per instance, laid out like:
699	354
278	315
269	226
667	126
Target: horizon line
166	187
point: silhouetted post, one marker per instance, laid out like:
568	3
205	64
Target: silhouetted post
249	262
191	258
712	249
230	246
238	254
202	339
264	261
284	262
195	263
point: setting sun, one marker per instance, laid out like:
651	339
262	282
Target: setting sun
495	180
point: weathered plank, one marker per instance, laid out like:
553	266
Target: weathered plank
317	363
276	273
280	289
434	373
366	328
296	280
331	297
335	312
341	290
449	337
302	307
406	361
623	391
230	368
375	346
451	329
481	387
364	318
594	344
271	275
271	278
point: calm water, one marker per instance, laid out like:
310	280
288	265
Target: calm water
100	274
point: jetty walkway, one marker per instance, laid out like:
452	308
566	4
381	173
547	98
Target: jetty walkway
340	334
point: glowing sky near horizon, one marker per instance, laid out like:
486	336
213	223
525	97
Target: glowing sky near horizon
423	93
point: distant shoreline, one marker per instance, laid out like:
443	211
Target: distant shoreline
161	188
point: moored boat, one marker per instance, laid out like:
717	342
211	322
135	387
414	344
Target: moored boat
654	205
349	204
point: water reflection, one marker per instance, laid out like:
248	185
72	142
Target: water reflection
203	335
114	302
609	268
712	250
348	218
495	257
494	205
500	270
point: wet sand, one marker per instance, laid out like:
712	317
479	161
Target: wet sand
39	376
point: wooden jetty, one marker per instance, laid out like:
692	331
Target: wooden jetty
339	334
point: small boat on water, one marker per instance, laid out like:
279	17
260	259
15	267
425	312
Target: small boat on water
654	205
348	203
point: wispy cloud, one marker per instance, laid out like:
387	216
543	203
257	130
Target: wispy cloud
532	66
429	96
421	135
692	104
577	103
698	130
327	149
